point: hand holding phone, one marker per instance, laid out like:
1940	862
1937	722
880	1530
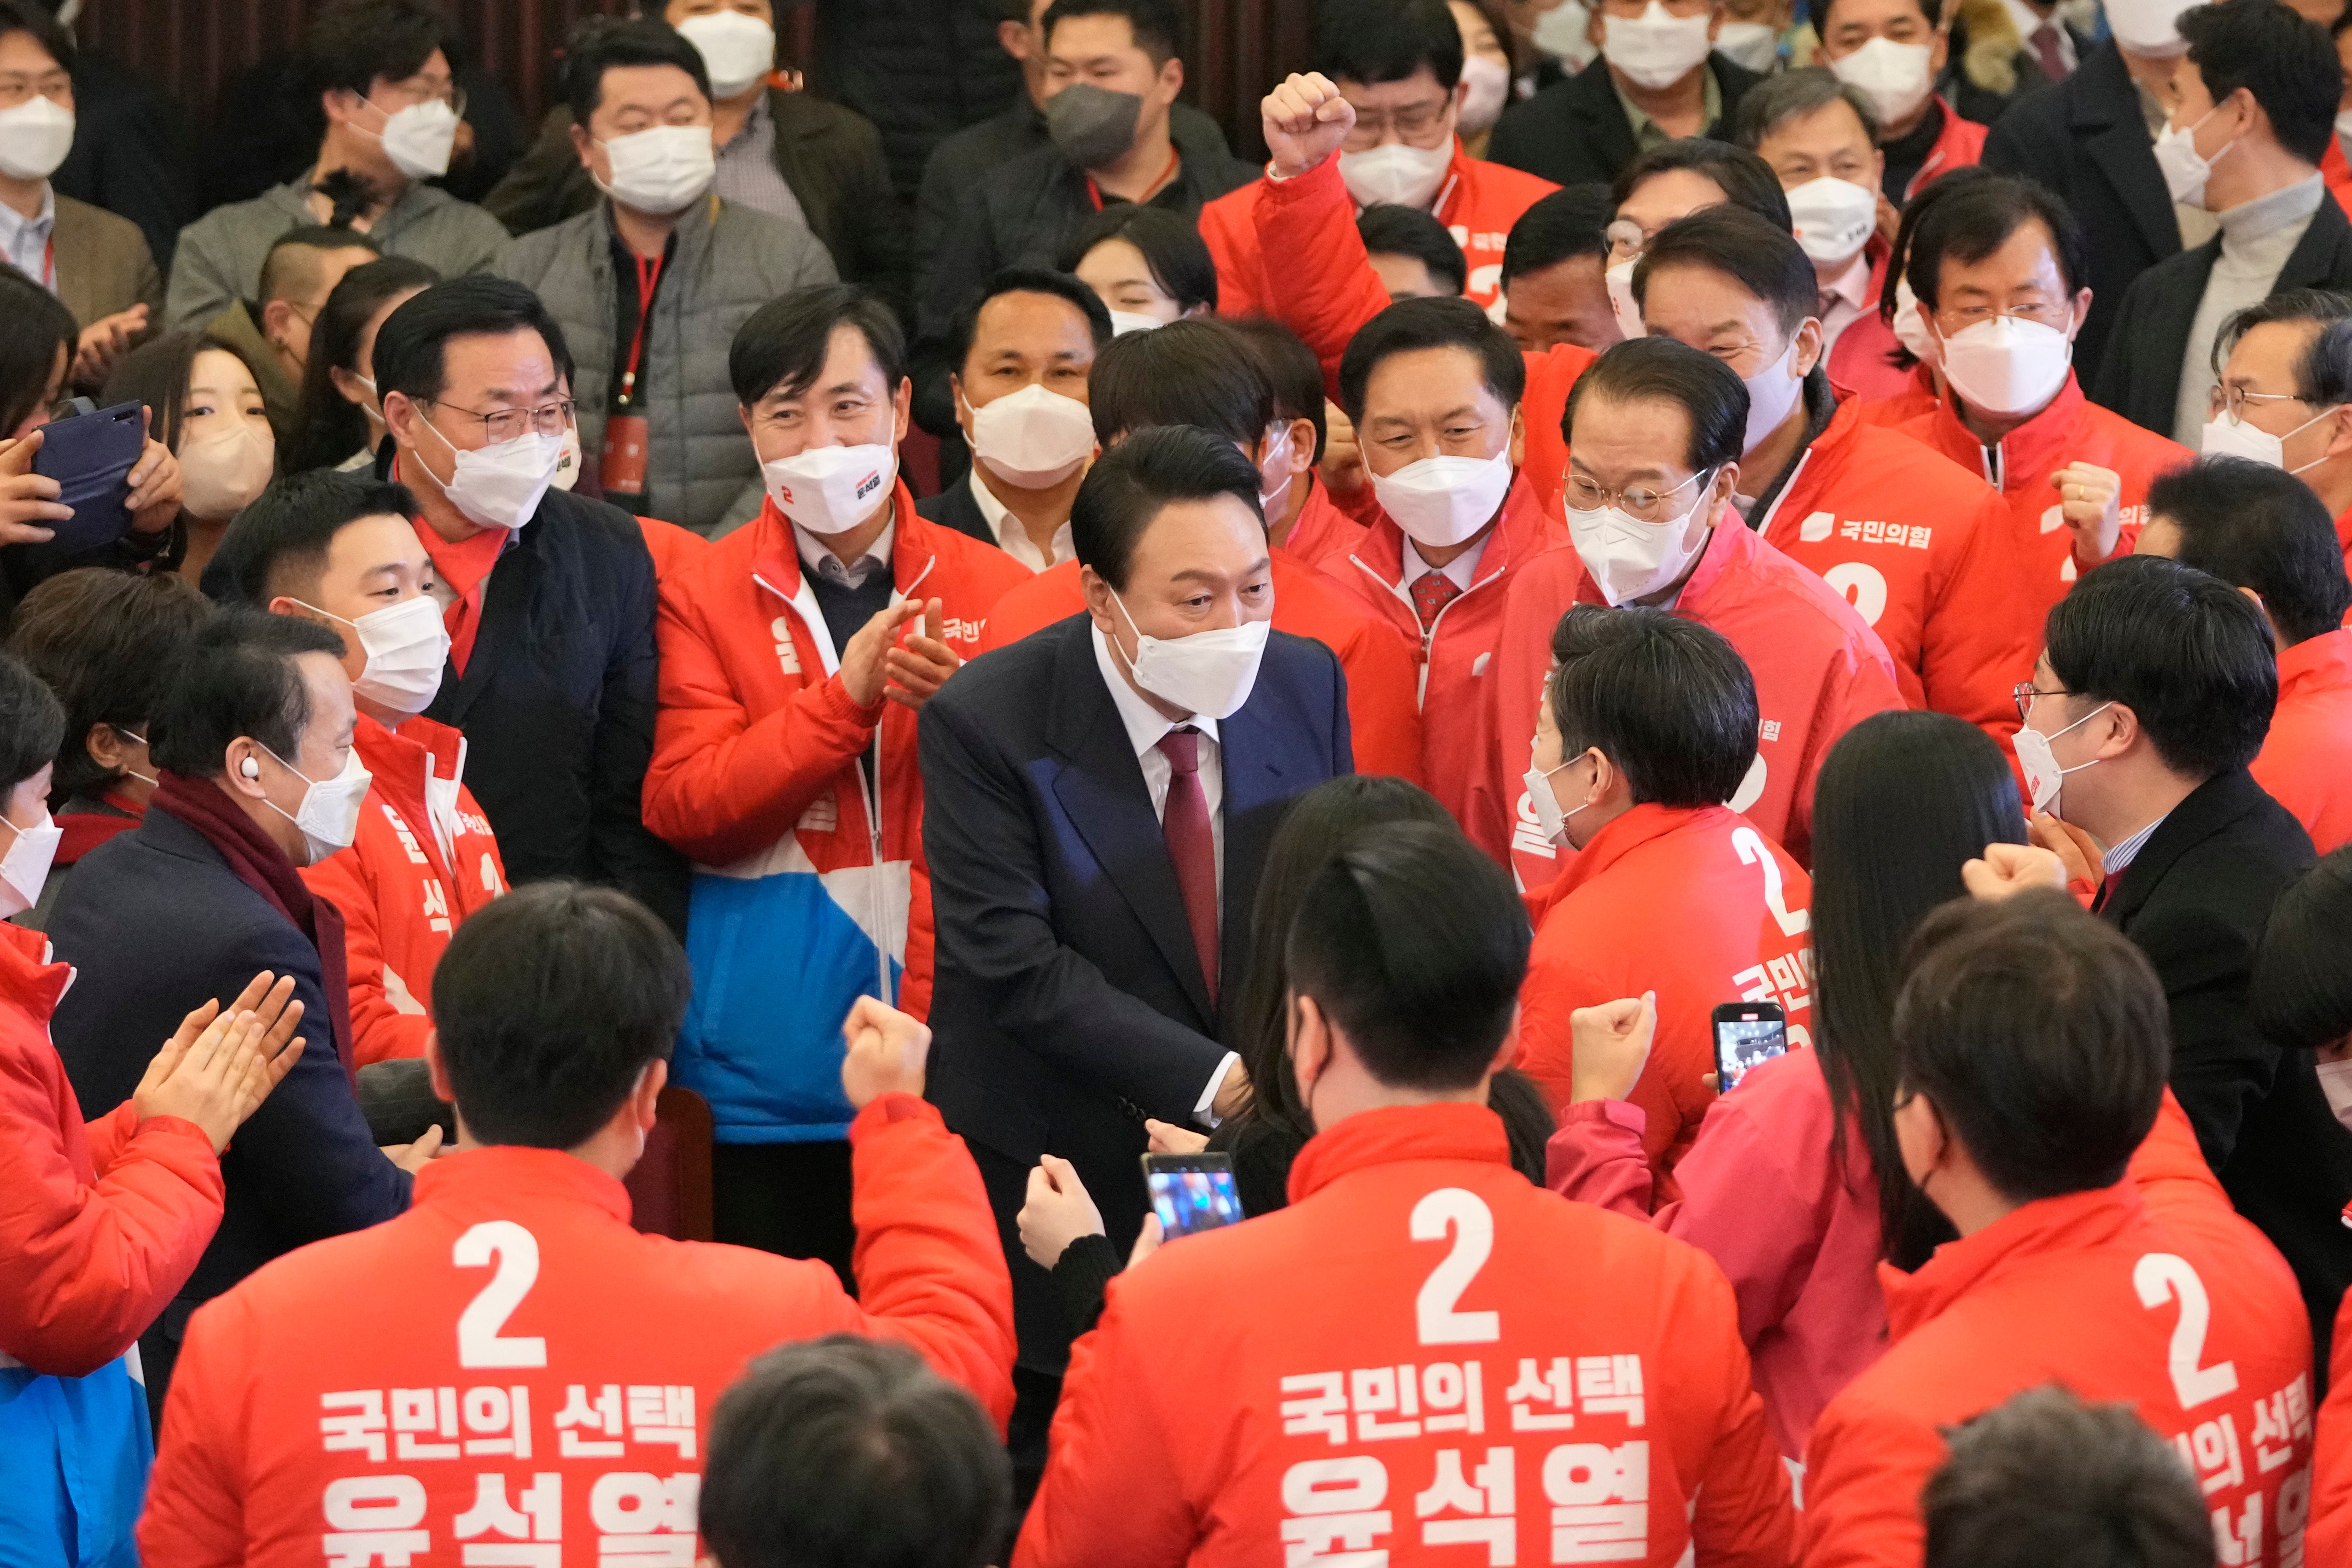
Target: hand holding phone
1191	1192
90	455
1746	1035
29	509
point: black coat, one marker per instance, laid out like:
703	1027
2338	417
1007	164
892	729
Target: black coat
2196	900
1068	1003
557	704
918	68
155	924
1576	131
2086	140
954	508
2139	377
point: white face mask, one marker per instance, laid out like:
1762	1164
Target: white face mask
660	169
567	460
1122	322
1656	48
2227	437
1564	33
329	814
1618	281
1910	331
2185	170
1442	501
152	782
1894	77
2344	127
2335	1082
1834	218
25	869
1490	84
831	489
2007	365
1629	558
2043	778
1771	393
1392	172
500	486
406	645
34	138
1549	818
1209	674
736	49
1275	448
418	139
221	473
1754	44
2148	27
1033	438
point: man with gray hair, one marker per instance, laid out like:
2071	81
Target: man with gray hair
2284	365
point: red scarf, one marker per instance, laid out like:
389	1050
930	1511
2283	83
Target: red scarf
82	832
262	866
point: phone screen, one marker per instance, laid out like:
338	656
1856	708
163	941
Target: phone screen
1191	1192
1743	1043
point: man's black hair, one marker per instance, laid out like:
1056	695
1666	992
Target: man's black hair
280	543
2277	54
1767	262
1291	369
1136	480
1414	944
1666	700
1375	41
1808	89
1388	228
1413	324
1170	244
2039	1033
107	642
1708	392
239	678
295	254
2323	371
600	44
785	343
2302	985
2185	652
848	1452
2254	526
1571	222
1976	217
412	346
1745	180
41	23
32	724
1158	25
550	1003
352	44
1029	280
1931	9
1198	372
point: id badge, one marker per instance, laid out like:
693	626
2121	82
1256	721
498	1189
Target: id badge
622	467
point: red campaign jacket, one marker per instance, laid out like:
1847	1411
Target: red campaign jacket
2337	172
1919	396
2330	1539
2152	1291
1695	905
1857	364
1460	1361
1383	724
2040	548
1819	672
1322	523
424	861
100	1224
1478	203
2306	761
756	745
1957	145
1914	543
2344	536
509	1361
1456	657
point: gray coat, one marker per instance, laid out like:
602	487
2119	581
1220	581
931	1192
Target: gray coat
700	472
219	257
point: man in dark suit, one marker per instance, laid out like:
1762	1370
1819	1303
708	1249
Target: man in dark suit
2255	110
1027	342
2154	692
1646	89
253	744
1099	800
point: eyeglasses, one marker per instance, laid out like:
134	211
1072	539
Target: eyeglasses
1413	119
1626	240
2235	399
2024	692
511	424
2055	315
1638	501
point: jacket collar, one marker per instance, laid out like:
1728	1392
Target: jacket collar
2045	1227
1520	535
1394	1133
1627	833
2105	114
27	973
776	559
2316	664
1729	549
2211	807
2032	449
506	1171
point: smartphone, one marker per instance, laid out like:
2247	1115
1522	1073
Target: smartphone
1746	1035
1191	1192
90	456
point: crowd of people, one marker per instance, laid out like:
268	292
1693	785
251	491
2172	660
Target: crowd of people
1672	698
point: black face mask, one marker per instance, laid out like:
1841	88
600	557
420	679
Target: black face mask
1093	126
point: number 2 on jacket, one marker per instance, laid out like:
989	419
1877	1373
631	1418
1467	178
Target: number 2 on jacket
479	1342
2160	1276
1464	1214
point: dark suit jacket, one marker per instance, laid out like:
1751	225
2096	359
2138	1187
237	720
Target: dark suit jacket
2196	900
1068	1002
954	508
155	924
1576	130
2139	377
2086	139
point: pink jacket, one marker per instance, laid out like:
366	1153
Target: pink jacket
1761	1197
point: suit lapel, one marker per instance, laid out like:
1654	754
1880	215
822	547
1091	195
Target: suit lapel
1603	121
2312	263
2205	811
2116	137
506	606
1256	794
1110	807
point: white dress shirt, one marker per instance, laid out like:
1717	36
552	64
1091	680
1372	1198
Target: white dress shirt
1463	569
24	241
1011	536
1145	727
818	557
2029	21
2119	855
1845	296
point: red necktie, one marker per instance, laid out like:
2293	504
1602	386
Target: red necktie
1191	846
2046	48
1431	592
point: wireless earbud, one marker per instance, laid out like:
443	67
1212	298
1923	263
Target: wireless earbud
251	770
